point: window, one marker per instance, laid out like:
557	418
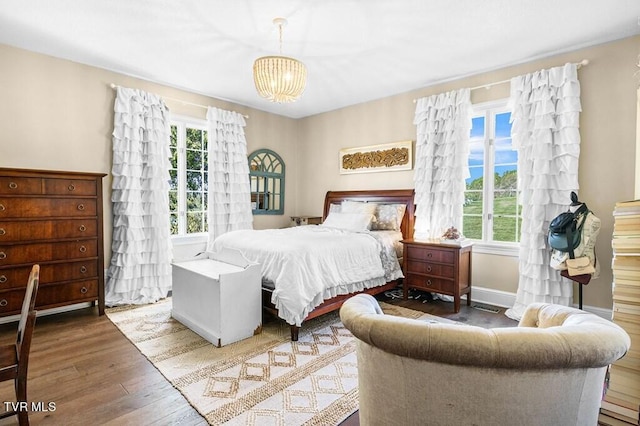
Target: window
189	177
491	211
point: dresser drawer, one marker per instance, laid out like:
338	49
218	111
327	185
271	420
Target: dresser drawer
434	269
45	252
63	294
20	230
429	254
50	295
16	277
37	207
20	185
76	187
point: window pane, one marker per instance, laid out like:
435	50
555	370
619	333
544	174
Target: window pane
476	152
477	127
472	227
194	139
507	182
173	201
173	141
503	127
173	181
194	201
194	222
505	203
174	158
194	160
504	229
504	153
173	223
194	181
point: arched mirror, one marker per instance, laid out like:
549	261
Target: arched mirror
266	176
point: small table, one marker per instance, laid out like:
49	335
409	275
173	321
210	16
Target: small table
438	267
305	220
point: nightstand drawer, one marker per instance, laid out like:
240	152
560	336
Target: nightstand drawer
429	254
434	269
428	283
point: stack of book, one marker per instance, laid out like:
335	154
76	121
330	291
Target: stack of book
622	398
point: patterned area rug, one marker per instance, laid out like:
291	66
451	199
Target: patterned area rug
266	379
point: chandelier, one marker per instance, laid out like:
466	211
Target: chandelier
279	78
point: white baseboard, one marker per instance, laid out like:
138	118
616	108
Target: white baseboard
506	299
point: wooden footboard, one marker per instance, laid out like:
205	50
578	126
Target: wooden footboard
327	306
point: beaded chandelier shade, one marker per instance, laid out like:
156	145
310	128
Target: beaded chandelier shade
279	78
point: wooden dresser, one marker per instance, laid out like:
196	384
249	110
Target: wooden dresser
53	219
438	268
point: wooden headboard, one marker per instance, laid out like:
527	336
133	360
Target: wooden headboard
386	196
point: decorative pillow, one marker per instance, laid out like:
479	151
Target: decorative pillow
388	217
356	222
358	207
335	208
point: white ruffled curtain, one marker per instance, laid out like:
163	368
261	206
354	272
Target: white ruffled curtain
140	268
442	153
229	192
545	131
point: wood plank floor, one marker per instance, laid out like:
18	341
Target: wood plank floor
94	375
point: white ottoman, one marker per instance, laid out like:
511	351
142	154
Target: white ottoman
218	296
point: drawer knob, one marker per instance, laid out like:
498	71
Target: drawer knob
82	249
3	255
3	279
429	254
83	290
80	207
428	268
2	208
83	269
13	185
71	187
2	231
82	228
3	303
429	282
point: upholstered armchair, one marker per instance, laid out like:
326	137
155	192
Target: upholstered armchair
549	370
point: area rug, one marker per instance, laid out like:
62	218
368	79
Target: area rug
265	379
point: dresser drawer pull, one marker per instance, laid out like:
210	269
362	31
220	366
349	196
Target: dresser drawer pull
2	208
82	228
3	279
82	249
428	268
83	290
71	187
3	255
83	269
80	207
429	282
2	231
13	185
429	254
3	303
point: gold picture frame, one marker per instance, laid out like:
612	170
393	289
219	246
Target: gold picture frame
386	157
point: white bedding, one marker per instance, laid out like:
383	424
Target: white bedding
308	264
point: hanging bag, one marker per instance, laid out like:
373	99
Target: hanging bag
565	231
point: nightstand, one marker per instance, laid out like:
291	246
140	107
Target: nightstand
305	220
438	267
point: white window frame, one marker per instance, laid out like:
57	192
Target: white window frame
487	245
182	122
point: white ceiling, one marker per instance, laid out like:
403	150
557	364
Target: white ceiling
355	50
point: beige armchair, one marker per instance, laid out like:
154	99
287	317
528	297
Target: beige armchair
549	370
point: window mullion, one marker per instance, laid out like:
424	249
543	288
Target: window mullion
182	185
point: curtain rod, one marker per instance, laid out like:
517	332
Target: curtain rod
115	86
579	65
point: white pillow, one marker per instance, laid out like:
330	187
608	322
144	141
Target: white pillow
358	207
356	222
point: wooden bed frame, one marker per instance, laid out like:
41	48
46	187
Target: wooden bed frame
395	196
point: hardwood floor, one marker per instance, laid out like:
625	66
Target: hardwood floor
82	364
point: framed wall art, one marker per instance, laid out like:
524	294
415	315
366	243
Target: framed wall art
377	158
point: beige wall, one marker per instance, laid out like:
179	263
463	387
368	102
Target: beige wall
57	114
607	161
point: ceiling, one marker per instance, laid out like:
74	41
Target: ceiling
355	50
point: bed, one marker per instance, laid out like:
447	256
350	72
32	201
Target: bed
311	270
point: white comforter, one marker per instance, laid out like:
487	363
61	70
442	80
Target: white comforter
308	264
